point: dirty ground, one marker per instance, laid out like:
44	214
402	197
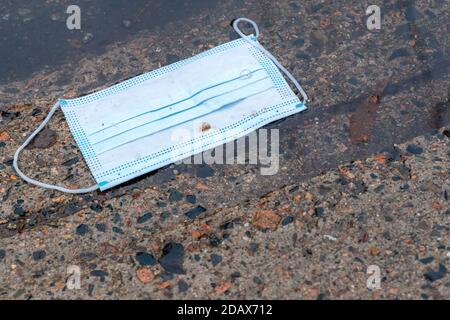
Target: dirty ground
363	176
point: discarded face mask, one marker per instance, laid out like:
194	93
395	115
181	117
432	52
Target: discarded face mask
215	97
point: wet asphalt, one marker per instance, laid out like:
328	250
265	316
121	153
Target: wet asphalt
337	205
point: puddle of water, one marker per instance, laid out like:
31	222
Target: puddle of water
34	35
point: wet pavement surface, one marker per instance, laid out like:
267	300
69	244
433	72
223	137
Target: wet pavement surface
35	36
363	176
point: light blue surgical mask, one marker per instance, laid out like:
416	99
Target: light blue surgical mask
215	97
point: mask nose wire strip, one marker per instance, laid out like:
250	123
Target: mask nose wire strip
38	183
266	53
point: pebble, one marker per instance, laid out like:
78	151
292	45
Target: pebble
172	258
214	240
161	204
144	218
171	58
18	293
404	186
253	247
117	218
266	219
9	115
319	211
436	275
145	259
175	195
194	213
191	198
70	162
145	275
164	215
216	259
87	256
91	288
222	287
18	211
117	230
204	171
414	149
319	37
379	188
165	276
330	238
374	251
2	254
35	112
387	235
71	208
287	220
9	162
39	255
96	207
100	227
227	225
45	139
182	286
446	132
257	280
82	229
426	260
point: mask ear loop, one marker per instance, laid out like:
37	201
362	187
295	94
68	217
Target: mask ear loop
266	53
38	183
